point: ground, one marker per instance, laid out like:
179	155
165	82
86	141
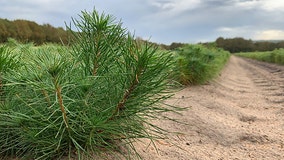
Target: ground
237	116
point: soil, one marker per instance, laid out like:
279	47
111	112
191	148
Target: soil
237	116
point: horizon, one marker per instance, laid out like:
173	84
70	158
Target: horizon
165	21
254	40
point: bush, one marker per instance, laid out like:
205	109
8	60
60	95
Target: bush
279	56
275	56
196	64
97	97
8	62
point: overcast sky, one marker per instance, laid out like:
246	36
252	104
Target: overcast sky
165	21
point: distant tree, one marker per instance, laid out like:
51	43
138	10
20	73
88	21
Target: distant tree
265	46
24	32
220	41
29	31
61	36
280	44
38	35
12	30
55	35
4	33
234	45
175	45
241	45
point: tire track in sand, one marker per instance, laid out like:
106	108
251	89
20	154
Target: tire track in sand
239	115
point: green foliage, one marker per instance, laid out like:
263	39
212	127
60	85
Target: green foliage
276	56
98	96
236	45
29	31
172	46
101	40
196	64
8	62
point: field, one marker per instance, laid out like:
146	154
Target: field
276	56
100	94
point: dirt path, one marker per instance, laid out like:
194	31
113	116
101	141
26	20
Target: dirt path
238	116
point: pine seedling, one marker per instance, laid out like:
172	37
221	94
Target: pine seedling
98	97
8	62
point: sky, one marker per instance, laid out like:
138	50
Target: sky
164	21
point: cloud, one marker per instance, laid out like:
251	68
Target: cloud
270	35
272	5
174	6
251	32
55	12
248	4
165	21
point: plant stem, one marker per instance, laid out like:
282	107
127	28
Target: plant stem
1	91
120	106
60	101
96	65
44	92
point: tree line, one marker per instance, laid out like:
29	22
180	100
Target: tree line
233	45
28	31
238	44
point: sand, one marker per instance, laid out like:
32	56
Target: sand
237	116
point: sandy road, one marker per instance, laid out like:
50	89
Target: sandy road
238	116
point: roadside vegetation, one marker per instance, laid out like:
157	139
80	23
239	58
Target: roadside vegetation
275	56
97	95
197	64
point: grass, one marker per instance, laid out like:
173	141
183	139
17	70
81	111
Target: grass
275	56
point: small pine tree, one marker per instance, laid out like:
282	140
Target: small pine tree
103	91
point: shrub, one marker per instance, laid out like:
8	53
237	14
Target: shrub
8	62
196	64
99	96
279	56
275	56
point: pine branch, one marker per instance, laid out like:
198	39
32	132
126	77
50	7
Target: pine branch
60	100
121	104
1	91
96	64
44	92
